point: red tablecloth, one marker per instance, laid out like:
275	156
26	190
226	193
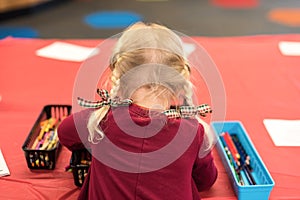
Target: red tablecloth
259	81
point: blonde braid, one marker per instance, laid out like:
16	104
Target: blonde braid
188	87
95	133
115	79
185	72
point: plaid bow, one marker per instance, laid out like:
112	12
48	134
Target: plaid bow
181	111
106	100
203	109
188	111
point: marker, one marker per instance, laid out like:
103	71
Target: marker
245	158
249	175
235	167
231	147
232	162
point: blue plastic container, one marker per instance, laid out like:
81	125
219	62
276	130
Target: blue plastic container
264	181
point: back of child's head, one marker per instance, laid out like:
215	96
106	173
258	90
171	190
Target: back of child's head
151	57
149	63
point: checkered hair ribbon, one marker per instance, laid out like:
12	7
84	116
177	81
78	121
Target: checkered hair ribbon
203	109
178	111
188	111
106	100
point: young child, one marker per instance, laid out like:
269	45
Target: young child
146	136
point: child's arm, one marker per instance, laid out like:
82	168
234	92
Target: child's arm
73	132
204	172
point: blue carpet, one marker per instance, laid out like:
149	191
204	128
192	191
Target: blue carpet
15	31
114	19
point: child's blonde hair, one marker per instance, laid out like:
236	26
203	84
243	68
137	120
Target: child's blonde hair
154	48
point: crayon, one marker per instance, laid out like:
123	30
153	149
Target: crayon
35	143
43	128
45	141
57	112
52	112
66	113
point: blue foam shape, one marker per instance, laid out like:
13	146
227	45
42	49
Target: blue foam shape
15	31
111	20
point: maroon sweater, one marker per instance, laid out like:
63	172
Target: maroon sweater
135	161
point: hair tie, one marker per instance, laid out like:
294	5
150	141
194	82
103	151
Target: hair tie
188	111
180	111
106	100
203	109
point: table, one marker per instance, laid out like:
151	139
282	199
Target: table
259	81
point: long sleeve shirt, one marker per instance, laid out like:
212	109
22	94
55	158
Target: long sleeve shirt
143	155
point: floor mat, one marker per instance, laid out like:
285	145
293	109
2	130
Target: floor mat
111	19
18	31
235	3
285	16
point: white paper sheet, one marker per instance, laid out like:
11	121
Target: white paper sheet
289	48
67	52
283	132
3	167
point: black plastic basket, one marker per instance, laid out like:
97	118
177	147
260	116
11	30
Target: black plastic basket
46	158
80	164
